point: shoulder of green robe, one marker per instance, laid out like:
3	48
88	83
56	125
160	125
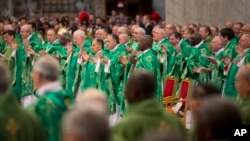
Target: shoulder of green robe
59	99
87	43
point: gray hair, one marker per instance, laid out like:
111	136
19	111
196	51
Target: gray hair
141	30
123	30
87	125
79	33
48	67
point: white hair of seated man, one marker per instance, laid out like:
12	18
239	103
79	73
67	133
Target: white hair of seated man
93	100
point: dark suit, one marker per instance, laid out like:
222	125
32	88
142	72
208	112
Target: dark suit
149	29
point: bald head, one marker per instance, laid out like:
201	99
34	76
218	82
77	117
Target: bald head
229	24
216	44
140	86
244	41
243	81
245	29
8	27
26	31
145	42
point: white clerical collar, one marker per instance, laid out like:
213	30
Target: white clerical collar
29	37
219	51
180	42
161	41
247	49
51	86
198	45
55	41
116	47
146	50
227	44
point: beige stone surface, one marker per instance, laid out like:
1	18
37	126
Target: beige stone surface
207	11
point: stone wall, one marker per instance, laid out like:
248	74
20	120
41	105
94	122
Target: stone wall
207	11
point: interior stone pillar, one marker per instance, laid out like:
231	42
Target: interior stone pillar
100	8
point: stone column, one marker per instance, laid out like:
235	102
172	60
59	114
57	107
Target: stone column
100	8
207	11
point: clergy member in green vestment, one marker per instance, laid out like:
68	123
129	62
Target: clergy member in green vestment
163	49
205	33
93	69
148	60
114	71
79	38
71	69
13	59
50	101
137	35
230	42
197	62
242	86
144	114
54	47
217	77
177	61
34	42
16	123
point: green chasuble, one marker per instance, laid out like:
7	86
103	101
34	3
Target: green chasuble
230	48
208	41
87	46
50	108
70	72
17	124
35	42
163	57
2	45
91	74
148	61
13	58
114	74
198	60
186	48
217	77
27	65
229	90
57	50
245	109
143	117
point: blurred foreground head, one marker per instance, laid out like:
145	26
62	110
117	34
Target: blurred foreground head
93	100
84	125
140	86
215	116
4	81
